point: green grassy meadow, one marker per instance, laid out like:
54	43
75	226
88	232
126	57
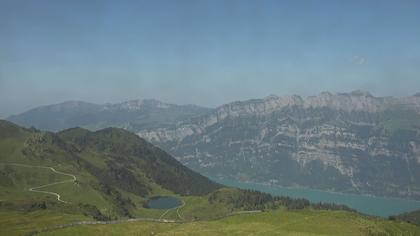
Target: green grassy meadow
117	173
277	222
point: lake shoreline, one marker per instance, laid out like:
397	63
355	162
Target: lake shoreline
314	189
363	203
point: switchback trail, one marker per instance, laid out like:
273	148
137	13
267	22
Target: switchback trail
34	189
74	178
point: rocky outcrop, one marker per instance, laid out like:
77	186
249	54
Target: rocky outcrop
349	142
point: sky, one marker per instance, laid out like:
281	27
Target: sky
203	52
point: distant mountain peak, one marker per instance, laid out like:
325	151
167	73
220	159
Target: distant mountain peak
326	93
73	102
271	97
67	105
141	103
137	105
134	115
360	92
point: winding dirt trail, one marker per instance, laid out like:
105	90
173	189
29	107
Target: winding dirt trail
177	211
35	189
179	208
73	179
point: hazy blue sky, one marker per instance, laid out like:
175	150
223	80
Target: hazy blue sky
203	52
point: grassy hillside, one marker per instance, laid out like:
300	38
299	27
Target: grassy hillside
110	174
278	222
124	155
116	171
410	217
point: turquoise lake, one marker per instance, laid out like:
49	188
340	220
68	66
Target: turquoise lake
163	202
371	205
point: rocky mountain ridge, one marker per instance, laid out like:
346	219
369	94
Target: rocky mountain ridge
356	101
131	115
349	142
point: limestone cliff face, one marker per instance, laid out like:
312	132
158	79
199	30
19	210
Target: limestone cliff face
352	142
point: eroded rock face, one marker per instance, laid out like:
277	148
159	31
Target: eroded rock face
351	142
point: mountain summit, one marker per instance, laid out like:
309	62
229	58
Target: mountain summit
132	115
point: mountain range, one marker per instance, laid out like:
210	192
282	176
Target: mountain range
131	115
346	142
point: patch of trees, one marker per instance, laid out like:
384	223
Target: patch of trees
118	176
6	176
124	205
37	206
127	155
243	199
170	174
255	200
409	217
293	203
91	210
331	206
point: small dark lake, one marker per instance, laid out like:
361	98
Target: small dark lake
163	202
